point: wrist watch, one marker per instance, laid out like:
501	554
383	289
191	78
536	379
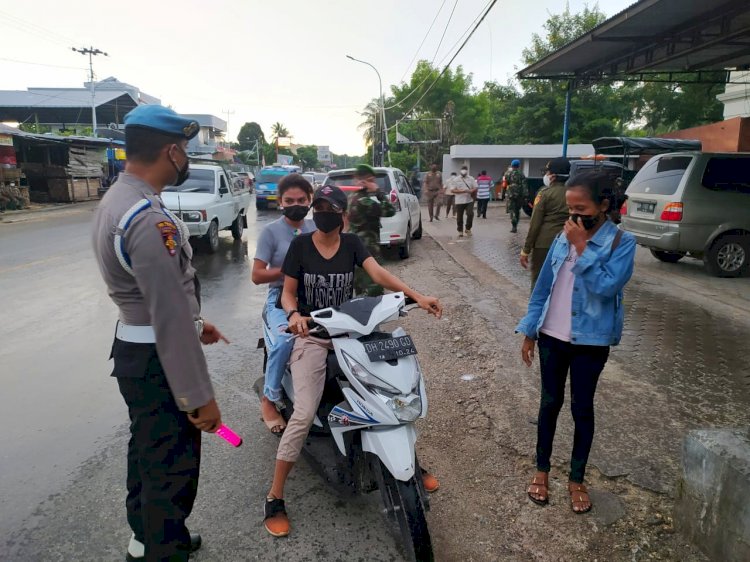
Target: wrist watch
289	315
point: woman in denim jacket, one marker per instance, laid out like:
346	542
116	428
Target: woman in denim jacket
575	314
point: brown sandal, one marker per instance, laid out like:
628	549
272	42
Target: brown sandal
539	486
579	496
276	425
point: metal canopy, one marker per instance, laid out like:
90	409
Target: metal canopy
68	108
655	36
618	146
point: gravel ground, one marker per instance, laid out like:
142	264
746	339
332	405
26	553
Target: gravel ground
479	438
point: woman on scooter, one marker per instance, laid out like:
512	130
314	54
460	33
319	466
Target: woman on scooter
575	314
295	196
319	270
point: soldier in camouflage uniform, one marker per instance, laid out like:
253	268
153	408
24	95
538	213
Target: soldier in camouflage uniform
365	209
517	193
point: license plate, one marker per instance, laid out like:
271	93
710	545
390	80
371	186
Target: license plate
645	207
388	349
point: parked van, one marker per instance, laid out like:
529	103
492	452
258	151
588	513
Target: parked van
267	182
696	204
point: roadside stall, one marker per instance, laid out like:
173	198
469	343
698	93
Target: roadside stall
64	169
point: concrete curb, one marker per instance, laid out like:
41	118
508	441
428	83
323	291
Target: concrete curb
12	217
712	506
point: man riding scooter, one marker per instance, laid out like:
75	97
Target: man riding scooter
319	273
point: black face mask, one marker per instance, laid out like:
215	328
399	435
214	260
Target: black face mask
588	221
182	173
328	221
296	213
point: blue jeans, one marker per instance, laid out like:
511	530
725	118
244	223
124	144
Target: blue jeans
278	346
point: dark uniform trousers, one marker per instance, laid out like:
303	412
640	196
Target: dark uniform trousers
538	255
163	454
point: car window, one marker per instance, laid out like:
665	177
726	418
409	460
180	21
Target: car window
270	177
200	181
403	185
727	174
660	176
342	180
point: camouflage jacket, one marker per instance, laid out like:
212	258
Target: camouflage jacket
365	210
516	181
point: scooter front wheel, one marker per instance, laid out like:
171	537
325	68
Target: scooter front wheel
404	508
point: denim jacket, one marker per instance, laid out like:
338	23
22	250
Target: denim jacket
600	276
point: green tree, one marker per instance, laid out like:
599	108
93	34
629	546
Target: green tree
250	133
308	157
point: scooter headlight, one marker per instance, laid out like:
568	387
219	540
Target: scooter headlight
406	408
366	377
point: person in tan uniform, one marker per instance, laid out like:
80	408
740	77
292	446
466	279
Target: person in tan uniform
548	217
144	257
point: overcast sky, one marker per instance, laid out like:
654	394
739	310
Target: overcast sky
265	60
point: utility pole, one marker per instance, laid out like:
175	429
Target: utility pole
91	52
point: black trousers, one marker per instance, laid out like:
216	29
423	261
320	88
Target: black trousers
163	455
585	363
482	207
462	208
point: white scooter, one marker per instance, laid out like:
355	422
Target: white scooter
373	395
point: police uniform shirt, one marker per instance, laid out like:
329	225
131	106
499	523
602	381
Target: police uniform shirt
161	290
548	217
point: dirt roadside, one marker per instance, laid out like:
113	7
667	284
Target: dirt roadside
479	438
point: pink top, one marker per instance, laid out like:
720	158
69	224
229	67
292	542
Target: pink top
557	321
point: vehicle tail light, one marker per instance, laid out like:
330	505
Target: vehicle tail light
624	209
672	212
395	201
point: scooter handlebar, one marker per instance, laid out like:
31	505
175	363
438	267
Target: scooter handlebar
310	324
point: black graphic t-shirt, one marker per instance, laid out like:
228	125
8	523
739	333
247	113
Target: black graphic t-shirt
321	282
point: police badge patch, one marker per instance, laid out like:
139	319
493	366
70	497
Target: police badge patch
168	231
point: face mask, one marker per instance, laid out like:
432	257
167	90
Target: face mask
587	221
547	179
182	173
296	213
328	221
464	172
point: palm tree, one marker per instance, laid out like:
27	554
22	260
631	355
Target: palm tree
278	130
371	113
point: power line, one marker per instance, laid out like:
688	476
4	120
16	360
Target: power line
444	31
447	66
423	40
34	29
40	63
418	86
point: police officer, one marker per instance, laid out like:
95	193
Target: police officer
145	259
367	206
548	218
517	193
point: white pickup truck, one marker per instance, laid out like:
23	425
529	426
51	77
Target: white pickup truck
208	202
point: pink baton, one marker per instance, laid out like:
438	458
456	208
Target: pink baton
229	436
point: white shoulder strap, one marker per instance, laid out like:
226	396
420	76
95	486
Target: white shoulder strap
122	227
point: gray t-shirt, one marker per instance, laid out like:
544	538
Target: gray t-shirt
274	242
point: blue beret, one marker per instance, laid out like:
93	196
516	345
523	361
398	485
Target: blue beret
163	120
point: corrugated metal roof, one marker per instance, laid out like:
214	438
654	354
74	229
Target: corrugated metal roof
55	97
656	36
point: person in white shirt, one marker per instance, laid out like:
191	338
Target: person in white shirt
464	188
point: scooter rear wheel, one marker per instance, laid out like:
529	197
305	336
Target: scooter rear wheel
404	508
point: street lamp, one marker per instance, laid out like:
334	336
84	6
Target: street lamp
384	133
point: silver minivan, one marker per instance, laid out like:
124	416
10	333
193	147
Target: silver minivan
696	204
